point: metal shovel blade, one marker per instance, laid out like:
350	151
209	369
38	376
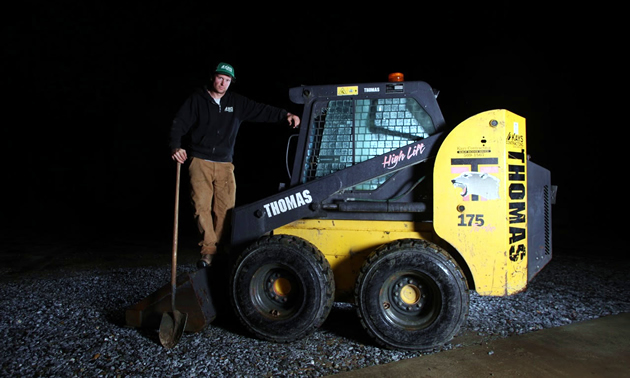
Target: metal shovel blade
172	327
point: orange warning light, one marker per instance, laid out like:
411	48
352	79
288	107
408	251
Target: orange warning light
396	77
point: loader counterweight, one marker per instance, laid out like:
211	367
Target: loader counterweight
481	199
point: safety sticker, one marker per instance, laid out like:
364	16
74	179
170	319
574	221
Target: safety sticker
348	91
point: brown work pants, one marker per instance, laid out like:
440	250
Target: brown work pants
213	191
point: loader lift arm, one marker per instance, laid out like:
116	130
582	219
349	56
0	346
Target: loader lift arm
310	195
305	200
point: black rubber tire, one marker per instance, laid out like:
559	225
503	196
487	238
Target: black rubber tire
411	295
282	288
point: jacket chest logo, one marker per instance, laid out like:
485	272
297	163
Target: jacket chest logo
229	109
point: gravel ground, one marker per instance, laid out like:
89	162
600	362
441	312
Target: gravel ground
67	319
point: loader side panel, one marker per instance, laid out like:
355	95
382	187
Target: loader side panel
481	200
347	243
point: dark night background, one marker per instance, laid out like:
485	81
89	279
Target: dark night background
91	89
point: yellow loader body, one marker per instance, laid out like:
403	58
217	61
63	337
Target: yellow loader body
479	211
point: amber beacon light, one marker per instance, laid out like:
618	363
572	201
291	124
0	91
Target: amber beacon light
396	77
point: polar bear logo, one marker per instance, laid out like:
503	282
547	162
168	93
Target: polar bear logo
479	183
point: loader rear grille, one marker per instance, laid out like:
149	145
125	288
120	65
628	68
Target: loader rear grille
541	196
547	218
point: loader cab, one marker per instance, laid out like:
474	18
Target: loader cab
350	124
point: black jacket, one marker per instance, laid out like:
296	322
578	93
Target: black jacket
212	130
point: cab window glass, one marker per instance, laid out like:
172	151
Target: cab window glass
346	132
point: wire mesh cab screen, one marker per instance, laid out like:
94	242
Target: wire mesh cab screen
348	131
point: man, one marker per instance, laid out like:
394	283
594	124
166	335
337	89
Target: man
210	118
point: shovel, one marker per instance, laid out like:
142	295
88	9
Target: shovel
173	323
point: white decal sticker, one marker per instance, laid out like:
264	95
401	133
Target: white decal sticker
287	203
480	183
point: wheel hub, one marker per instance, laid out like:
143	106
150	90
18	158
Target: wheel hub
282	287
278	287
408	295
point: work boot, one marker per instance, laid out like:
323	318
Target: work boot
205	261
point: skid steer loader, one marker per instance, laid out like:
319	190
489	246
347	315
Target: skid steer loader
389	210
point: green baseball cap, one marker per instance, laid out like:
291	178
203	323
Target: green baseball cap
225	69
